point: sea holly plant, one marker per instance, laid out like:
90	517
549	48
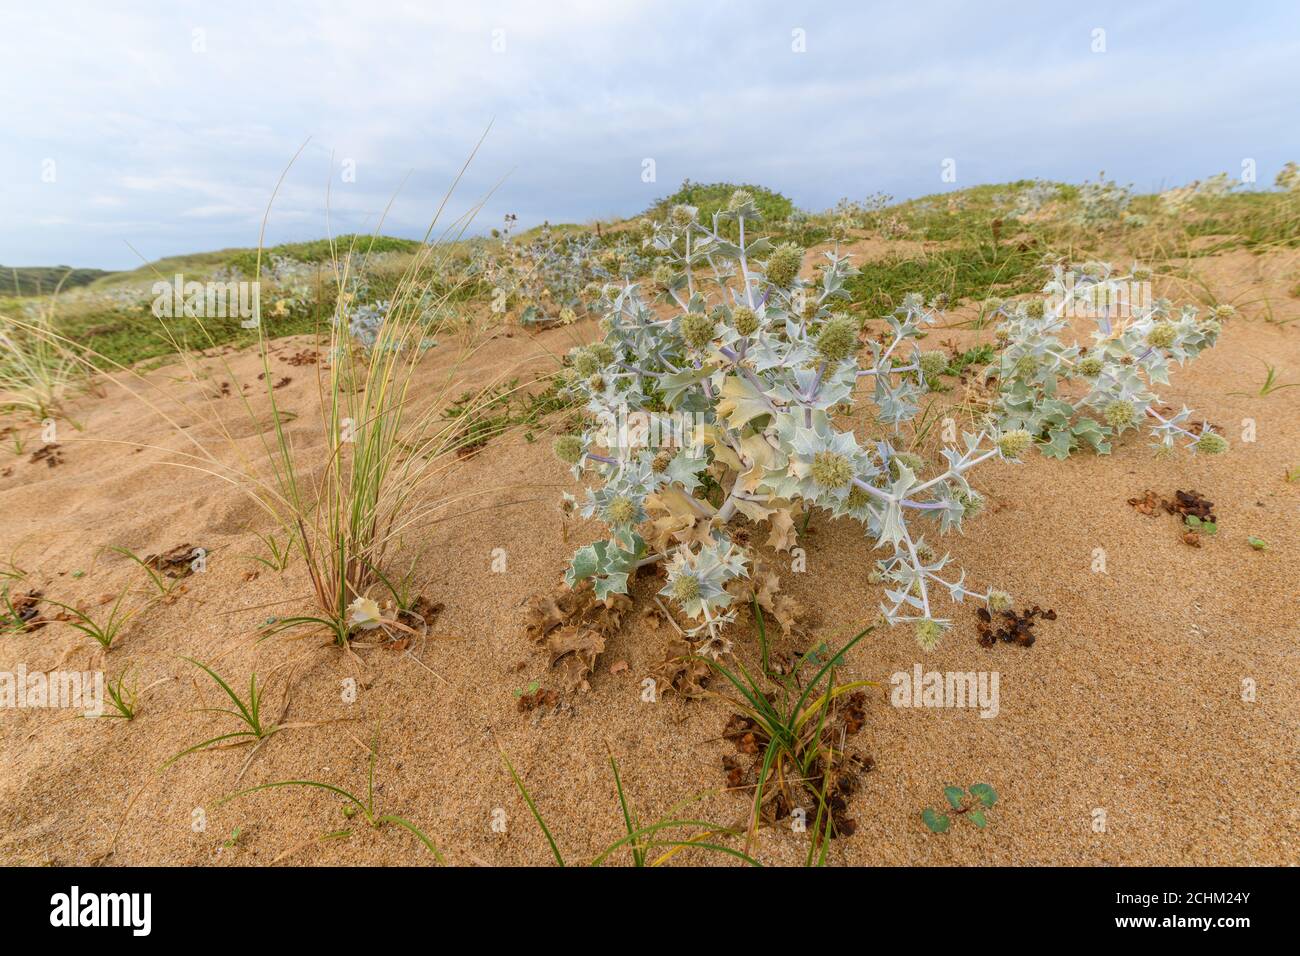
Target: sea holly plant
744	366
1068	396
968	803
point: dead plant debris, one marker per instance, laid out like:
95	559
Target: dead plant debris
1195	511
51	454
301	358
682	671
26	615
177	562
1009	626
573	625
421	614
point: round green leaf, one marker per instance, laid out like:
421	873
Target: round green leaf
937	822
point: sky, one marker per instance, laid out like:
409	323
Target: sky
130	131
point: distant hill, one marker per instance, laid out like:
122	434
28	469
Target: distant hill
708	198
35	280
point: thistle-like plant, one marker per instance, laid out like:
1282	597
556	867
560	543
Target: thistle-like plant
757	361
1102	203
1066	396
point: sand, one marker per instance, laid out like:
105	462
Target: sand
1129	703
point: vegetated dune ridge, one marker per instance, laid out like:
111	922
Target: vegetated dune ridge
1130	702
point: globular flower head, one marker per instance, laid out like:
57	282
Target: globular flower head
683	215
928	633
933	363
830	469
663	275
697	581
620	510
745	320
914	462
568	448
1212	444
1162	335
568	316
999	601
1012	443
1120	414
783	265
857	499
1035	308
972	503
567	505
1026	365
603	352
1090	366
585	363
697	329
838	338
686	588
739	199
1223	312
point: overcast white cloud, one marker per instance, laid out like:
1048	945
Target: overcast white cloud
167	125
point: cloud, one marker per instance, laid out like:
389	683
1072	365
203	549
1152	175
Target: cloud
171	127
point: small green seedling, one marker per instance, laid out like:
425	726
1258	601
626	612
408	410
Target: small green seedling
280	553
1293	474
1270	383
355	804
1201	525
969	803
248	712
1259	544
530	689
13	617
231	843
122	696
105	632
163	584
640	840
